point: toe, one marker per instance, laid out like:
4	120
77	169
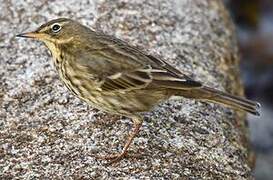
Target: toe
113	158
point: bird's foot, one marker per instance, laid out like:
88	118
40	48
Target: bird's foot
113	158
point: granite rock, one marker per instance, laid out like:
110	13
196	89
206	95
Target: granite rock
45	132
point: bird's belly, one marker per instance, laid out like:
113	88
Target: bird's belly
119	103
116	102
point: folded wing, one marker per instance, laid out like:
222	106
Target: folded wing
146	78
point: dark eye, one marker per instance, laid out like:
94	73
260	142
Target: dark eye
56	28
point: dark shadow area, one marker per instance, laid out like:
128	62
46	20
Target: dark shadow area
254	21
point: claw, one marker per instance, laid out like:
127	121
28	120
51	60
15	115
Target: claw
110	156
114	158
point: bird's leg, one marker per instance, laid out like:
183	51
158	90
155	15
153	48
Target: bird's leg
117	157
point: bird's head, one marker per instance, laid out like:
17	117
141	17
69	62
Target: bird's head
57	31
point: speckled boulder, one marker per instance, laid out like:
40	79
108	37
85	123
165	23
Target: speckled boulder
46	133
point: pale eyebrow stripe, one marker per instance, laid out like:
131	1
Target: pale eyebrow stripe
47	26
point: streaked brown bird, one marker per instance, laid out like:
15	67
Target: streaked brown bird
113	76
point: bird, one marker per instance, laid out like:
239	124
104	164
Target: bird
116	77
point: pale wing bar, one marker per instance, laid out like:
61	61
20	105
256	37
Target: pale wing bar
126	81
141	78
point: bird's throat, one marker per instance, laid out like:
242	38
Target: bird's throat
55	51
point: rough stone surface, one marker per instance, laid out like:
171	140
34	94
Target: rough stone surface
45	132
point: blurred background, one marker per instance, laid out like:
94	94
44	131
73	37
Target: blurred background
254	21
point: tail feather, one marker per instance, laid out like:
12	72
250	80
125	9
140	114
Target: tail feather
216	96
232	101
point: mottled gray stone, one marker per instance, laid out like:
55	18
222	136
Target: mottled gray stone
45	132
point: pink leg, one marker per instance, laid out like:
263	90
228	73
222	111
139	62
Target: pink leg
117	157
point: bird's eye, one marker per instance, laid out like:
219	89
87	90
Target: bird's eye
56	27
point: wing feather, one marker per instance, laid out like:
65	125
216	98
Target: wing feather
142	78
120	66
126	81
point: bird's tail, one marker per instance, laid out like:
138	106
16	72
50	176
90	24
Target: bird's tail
216	96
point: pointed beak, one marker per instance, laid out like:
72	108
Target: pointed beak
33	35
